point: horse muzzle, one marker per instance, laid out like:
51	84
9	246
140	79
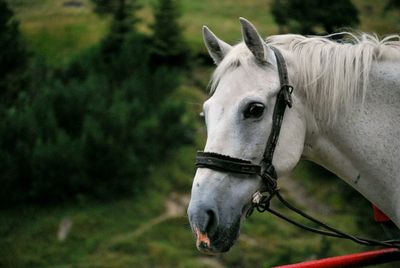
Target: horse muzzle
212	236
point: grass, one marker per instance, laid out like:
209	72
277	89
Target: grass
101	234
33	240
223	18
57	32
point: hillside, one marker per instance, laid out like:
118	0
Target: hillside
58	30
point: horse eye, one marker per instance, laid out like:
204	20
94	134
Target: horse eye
254	110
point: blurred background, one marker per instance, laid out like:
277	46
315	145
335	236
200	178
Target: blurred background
99	103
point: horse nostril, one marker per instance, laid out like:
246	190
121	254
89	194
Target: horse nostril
204	217
212	223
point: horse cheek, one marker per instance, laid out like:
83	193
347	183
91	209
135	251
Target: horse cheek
290	144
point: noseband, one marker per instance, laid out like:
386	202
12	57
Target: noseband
265	169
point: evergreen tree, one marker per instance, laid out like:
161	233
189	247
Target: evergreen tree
304	16
107	7
169	46
13	56
123	22
103	7
95	129
120	26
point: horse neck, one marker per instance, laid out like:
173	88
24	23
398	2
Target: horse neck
362	146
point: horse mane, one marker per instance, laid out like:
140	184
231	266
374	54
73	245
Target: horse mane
331	75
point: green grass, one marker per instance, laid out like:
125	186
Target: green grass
101	236
56	32
222	17
32	239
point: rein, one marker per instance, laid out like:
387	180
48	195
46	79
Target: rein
266	170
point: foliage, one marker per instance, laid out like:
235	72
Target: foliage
124	20
392	4
169	46
305	17
95	128
13	56
115	7
58	31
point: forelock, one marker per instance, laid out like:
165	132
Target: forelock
239	56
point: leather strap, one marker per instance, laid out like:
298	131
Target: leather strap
226	163
283	99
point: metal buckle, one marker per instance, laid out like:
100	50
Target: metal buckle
257	197
261	201
287	93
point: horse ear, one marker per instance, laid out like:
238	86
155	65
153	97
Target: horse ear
216	47
255	43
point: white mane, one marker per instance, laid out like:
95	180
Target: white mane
329	74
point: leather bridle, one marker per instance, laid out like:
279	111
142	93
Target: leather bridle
266	170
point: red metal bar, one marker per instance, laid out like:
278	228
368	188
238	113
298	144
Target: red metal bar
353	260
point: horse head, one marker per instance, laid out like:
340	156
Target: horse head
238	117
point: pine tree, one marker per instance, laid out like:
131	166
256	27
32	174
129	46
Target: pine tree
103	7
304	16
169	46
123	22
107	7
119	27
13	56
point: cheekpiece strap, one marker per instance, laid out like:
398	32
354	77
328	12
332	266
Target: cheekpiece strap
283	99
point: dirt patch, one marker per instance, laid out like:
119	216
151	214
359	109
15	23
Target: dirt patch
64	228
176	204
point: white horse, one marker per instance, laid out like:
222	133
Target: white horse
345	117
